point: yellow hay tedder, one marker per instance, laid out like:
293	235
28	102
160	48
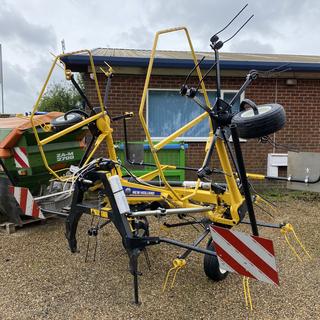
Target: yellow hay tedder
128	201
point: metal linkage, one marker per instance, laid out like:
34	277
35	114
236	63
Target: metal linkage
195	243
187	223
164	212
187	246
266	224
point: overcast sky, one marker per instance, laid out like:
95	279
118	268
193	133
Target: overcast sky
30	30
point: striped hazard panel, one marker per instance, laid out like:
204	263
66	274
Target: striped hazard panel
250	256
25	200
20	157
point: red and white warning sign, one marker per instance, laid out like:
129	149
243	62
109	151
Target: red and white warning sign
20	157
26	202
250	256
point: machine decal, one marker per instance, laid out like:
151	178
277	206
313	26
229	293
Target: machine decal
135	192
63	156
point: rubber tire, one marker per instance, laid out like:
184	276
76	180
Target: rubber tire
211	265
270	119
61	123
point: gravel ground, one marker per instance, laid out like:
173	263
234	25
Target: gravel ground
41	279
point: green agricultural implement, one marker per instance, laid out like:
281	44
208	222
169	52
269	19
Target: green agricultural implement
23	176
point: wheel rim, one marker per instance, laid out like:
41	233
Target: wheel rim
69	117
250	113
223	271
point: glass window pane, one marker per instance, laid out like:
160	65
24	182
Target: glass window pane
169	111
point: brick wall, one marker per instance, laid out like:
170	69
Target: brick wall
301	103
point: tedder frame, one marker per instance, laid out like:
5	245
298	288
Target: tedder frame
128	201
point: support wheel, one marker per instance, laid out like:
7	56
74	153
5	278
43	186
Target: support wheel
211	265
271	118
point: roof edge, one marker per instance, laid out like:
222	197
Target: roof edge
80	63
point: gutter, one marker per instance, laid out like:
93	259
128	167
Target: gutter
80	63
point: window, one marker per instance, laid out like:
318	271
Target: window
167	111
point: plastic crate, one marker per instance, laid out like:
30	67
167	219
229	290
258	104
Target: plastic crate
172	154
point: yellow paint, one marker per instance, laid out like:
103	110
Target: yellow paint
256	176
173	196
102	119
103	213
153	148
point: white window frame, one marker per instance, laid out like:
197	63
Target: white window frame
182	138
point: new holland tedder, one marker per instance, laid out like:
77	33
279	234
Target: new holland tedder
130	202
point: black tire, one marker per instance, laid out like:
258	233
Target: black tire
211	265
270	119
65	121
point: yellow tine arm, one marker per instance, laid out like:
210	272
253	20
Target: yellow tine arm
289	228
300	243
177	265
166	279
246	292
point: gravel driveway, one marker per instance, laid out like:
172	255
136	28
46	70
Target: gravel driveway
41	279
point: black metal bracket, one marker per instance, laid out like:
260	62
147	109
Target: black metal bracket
244	179
290	179
266	224
183	224
82	94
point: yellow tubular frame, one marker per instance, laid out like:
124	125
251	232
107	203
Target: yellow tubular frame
102	118
235	197
155	148
174	196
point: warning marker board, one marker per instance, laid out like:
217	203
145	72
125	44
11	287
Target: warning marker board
20	157
250	256
26	202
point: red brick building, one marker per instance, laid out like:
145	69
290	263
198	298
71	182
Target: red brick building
297	89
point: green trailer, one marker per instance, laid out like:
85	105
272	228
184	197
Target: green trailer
23	175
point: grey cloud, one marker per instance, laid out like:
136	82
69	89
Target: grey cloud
251	46
137	38
272	21
39	72
14	26
286	26
14	78
22	86
17	96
